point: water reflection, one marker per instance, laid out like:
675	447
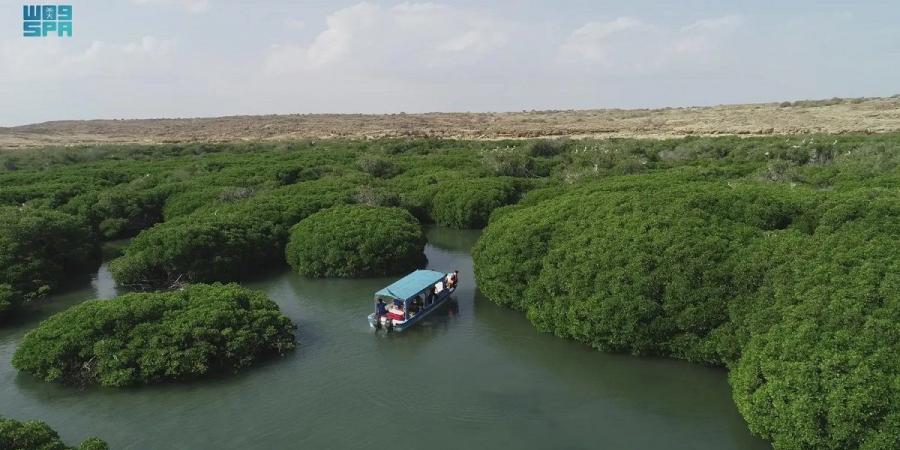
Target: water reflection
447	239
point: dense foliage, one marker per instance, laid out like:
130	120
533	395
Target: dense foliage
36	435
468	203
356	240
796	290
152	337
123	210
776	256
224	243
819	367
40	249
205	212
623	270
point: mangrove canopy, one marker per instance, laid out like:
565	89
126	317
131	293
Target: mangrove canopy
795	290
37	435
355	241
142	338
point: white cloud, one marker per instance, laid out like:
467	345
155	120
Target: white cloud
425	35
719	24
130	57
146	56
193	6
628	45
478	41
621	43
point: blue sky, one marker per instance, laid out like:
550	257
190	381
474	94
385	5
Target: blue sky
189	58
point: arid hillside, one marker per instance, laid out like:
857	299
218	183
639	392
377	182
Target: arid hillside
872	115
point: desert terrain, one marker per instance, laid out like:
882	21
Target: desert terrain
866	115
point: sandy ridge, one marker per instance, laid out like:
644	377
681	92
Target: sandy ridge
872	115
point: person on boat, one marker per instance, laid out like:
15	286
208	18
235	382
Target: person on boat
452	279
398	308
380	308
429	298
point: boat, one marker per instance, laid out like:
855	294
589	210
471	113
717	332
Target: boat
411	299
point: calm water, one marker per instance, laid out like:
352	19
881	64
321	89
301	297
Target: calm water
475	376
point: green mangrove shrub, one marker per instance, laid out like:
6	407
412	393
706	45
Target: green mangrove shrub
795	290
143	338
377	166
468	203
824	375
196	249
356	241
548	148
193	198
416	189
623	271
376	196
224	243
120	211
39	250
818	365
509	161
8	299
37	435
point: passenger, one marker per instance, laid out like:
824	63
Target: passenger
452	279
396	309
380	308
429	299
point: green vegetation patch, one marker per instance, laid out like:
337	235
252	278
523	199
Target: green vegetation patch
39	250
356	241
142	338
468	203
629	266
774	256
123	210
37	435
818	329
224	242
796	290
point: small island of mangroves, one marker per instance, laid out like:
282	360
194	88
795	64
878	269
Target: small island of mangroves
34	434
775	257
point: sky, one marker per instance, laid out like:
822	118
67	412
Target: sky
197	58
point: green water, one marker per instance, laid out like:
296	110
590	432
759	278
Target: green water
474	376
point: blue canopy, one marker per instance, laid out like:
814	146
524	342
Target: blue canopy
412	284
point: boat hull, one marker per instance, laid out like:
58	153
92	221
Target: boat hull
440	300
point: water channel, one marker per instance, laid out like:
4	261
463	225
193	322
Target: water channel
474	376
